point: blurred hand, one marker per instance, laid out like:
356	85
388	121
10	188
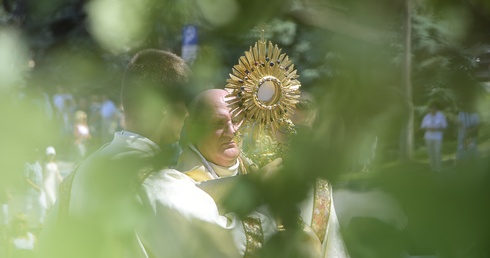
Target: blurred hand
268	170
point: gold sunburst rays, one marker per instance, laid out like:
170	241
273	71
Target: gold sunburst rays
263	87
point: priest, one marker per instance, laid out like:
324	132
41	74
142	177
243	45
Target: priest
210	152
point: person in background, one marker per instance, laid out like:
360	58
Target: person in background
63	102
108	112
22	243
35	203
52	177
65	108
82	104
60	99
434	124
95	120
468	125
81	133
124	201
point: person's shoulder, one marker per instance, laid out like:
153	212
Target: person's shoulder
167	176
167	186
168	172
440	114
198	174
188	160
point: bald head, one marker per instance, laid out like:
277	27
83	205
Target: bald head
207	101
210	127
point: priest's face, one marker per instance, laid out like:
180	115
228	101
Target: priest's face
217	144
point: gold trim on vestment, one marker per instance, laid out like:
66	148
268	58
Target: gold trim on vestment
254	236
321	208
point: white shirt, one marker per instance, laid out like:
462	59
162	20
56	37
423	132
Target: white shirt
28	243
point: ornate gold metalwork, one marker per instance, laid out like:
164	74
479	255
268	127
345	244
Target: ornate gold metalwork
263	92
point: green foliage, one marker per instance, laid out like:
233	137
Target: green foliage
356	83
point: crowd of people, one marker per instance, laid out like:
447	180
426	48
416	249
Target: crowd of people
24	209
85	123
81	124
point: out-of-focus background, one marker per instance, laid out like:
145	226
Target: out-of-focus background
371	67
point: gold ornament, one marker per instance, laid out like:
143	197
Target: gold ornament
263	92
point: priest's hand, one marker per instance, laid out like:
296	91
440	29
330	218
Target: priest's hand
268	170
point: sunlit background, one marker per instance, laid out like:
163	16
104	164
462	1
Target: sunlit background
372	68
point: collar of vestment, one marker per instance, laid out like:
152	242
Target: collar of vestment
226	171
163	155
137	140
217	171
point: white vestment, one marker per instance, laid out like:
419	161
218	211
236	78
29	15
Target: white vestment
317	211
169	215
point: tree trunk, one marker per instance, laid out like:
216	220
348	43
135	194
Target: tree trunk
406	147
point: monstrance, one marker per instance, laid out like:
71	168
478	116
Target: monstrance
263	92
